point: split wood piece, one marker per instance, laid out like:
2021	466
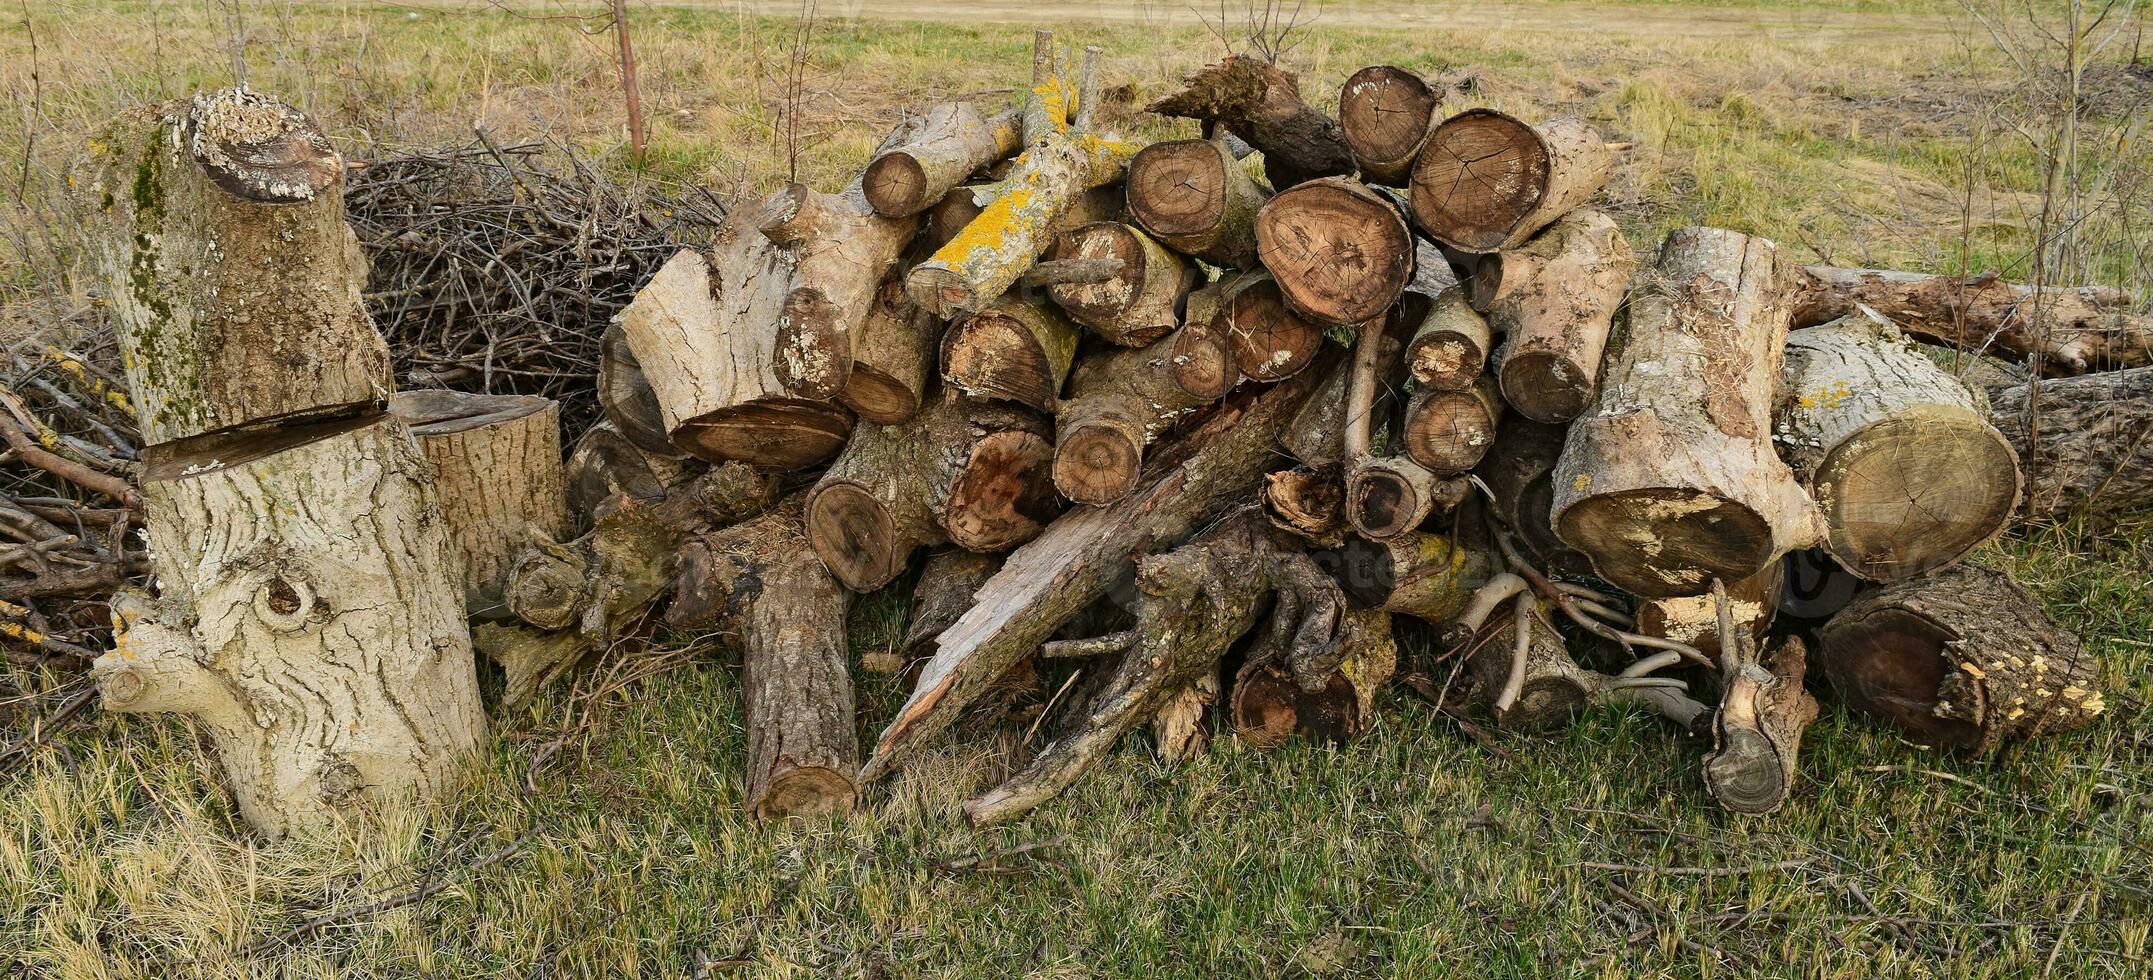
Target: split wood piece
758	583
625	396
1670	480
1964	659
841	250
1079	557
948	585
2066	330
1317	435
1556	300
1486	181
968	472
949	216
705	331
1017	349
1195	197
1386	113
497	479
947	144
311	619
1261	103
1121	402
1309	503
1423	575
1270	705
605	464
1271	341
1009	234
1340	253
1518	474
233	281
893	357
1902	462
1138	303
1753	604
1757	733
1388	496
1449	432
2090	444
1450	346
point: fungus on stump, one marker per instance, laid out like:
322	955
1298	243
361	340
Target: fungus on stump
1903	464
312	619
497	478
1670	481
233	281
1964	659
1486	181
1195	197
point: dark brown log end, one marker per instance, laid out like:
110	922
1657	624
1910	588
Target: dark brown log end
879	397
1339	252
1545	386
805	791
895	184
1204	364
775	433
992	355
1269	707
625	396
1485	283
1480	174
1448	431
813	350
1098	463
603	464
856	536
1385	112
1004	495
1109	298
1177	187
1270	341
260	149
1909	495
1667	542
1308	502
1365	571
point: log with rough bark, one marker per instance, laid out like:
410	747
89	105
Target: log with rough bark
1555	298
625	396
1964	659
311	619
231	276
705	332
1518	471
758	583
1261	103
1340	252
1141	301
2065	330
1017	349
893	357
1449	432
1386	113
1194	196
840	250
1486	181
1423	575
497	478
1079	557
948	585
605	464
973	473
1122	401
946	145
1271	341
1757	733
949	216
1450	345
2088	443
1670	480
1903	464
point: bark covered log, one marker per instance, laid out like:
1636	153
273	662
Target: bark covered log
1273	699
1340	252
1386	113
947	144
2065	330
1016	349
1450	345
1763	710
1261	103
1905	468
948	217
758	583
893	357
1122	401
311	620
2087	444
1388	496
840	250
1138	303
1486	181
1964	659
1194	196
232	278
497	479
1670	481
968	472
1554	301
948	585
1424	575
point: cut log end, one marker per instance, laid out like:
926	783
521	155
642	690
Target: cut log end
1668	541
805	791
1178	187
1546	386
1269	707
1001	499
259	149
1339	252
857	536
1203	361
1449	431
896	184
1914	493
879	396
991	354
777	433
1270	341
1480	174
1385	112
1099	463
1388	497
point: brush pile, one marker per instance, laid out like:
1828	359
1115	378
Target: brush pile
1211	419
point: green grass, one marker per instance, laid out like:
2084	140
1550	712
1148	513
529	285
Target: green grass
1415	852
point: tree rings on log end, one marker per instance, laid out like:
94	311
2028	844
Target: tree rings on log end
1270	341
1097	303
895	184
1098	463
1658	543
1003	497
879	396
856	536
803	791
1339	252
1384	111
1480	174
774	433
1545	386
1178	187
1891	664
990	354
260	149
1203	360
1914	493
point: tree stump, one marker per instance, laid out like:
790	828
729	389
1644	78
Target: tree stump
497	478
1195	197
1340	253
1269	705
1555	298
312	619
1906	469
1670	480
1386	113
1137	304
1486	181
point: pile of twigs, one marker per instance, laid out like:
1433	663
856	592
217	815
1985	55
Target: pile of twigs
494	271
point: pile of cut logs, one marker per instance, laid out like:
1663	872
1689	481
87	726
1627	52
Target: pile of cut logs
1210	414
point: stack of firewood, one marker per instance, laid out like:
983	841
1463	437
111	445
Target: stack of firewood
1211	413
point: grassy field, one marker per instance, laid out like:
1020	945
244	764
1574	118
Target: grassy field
602	835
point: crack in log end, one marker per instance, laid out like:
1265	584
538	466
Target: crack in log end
1480	174
1004	495
1340	253
1182	187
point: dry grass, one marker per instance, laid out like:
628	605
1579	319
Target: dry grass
1415	853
